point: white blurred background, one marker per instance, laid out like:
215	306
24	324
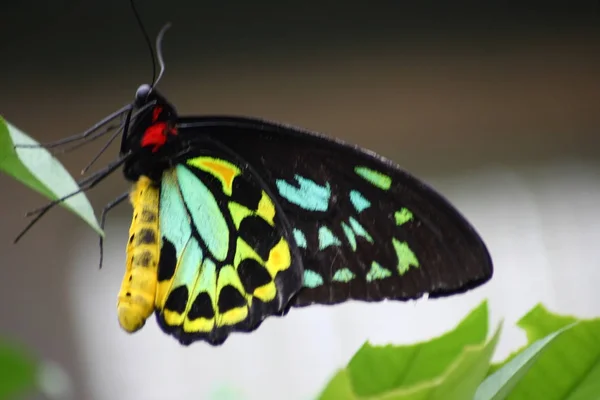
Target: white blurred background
498	109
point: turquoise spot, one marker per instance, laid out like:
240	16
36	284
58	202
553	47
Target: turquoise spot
174	219
309	195
299	238
349	235
359	230
206	214
406	258
343	275
327	238
358	201
374	177
377	272
403	216
312	279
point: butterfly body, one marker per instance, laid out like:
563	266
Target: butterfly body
256	217
138	291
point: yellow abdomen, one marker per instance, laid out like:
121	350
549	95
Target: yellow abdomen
136	297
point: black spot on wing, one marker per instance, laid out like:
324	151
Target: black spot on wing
201	307
259	235
253	275
167	262
230	298
245	193
177	300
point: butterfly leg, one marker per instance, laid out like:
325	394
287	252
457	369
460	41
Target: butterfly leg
83	135
85	184
105	211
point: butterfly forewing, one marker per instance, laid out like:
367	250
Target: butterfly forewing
365	229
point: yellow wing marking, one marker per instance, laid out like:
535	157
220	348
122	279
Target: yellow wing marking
136	298
280	258
266	209
206	283
229	276
243	252
221	169
238	213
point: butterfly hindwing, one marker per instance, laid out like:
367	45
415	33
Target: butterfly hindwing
226	260
366	229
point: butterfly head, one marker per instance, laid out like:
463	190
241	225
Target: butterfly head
155	124
142	95
152	131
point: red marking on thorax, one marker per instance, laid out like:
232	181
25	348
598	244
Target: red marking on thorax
156	113
156	134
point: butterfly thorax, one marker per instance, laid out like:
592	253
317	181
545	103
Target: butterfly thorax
152	138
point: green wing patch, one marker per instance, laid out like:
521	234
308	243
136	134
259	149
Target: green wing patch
225	263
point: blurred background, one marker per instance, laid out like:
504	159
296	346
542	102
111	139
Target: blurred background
498	108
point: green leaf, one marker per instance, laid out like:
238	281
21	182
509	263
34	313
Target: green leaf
501	383
339	387
448	367
38	169
374	369
18	371
569	366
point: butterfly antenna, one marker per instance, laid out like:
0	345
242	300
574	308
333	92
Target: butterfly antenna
159	54
146	38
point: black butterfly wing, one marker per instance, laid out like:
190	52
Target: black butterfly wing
365	229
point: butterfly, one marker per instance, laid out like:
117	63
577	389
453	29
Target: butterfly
237	219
